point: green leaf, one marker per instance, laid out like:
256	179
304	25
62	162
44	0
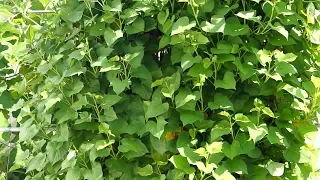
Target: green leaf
37	162
298	155
184	96
268	112
56	151
281	57
275	168
132	147
182	164
279	28
162	16
221	102
228	81
284	68
221	173
234	28
119	85
137	26
73	173
295	91
189	153
156	108
221	128
257	132
216	25
111	36
109	100
62	133
145	171
236	165
190	117
188	60
249	15
156	128
214	147
181	25
164	41
28	131
264	57
246	144
232	150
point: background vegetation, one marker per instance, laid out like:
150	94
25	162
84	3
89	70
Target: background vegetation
160	89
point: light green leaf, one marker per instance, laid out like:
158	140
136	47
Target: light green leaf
111	36
281	57
182	164
56	151
37	162
28	131
257	132
188	60
216	25
189	153
214	147
228	81
275	168
221	128
189	117
267	111
221	173
249	15
316	81
73	173
264	57
232	150
156	128
298	155
221	102
181	25
295	91
62	133
184	96
279	28
145	171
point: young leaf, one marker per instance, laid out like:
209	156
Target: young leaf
275	168
216	25
182	164
156	128
181	25
257	132
145	171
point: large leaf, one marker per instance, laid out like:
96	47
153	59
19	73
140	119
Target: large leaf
228	81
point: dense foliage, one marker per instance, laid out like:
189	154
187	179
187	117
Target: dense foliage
160	89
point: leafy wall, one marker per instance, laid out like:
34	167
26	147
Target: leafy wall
160	89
